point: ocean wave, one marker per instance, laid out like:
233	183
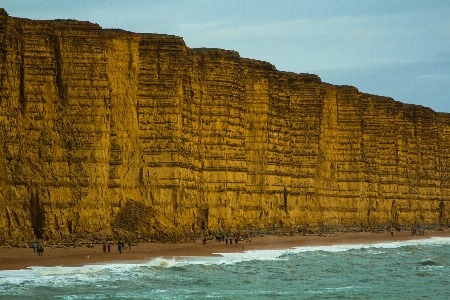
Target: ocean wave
429	262
438	241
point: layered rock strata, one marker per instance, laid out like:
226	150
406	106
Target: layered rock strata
95	121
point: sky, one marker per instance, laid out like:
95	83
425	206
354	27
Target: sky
395	48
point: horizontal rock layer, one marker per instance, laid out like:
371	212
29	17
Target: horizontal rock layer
93	119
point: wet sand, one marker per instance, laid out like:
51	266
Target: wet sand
21	258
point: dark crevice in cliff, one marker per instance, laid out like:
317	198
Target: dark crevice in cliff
3	52
59	78
394	213
285	200
3	79
442	219
37	215
204	216
158	63
3	167
22	100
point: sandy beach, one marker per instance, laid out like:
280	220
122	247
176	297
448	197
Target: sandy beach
21	258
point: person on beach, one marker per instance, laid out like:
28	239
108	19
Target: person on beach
40	250
231	241
236	240
204	241
109	248
104	247
33	245
120	248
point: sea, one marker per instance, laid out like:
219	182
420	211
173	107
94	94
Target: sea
415	269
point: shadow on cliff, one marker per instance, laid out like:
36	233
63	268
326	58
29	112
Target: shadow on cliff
138	221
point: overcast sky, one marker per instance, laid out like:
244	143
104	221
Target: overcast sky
392	48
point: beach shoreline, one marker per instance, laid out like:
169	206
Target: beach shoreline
14	258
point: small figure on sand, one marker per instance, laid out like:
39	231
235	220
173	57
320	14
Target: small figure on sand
104	247
40	250
33	245
120	247
109	248
204	241
236	240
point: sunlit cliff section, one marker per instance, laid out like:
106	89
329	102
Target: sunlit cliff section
97	125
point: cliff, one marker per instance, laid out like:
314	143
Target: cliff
108	133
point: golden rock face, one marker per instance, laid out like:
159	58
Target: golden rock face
94	120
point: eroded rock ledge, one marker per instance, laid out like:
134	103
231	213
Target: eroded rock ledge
199	140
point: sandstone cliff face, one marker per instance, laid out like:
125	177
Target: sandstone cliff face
94	120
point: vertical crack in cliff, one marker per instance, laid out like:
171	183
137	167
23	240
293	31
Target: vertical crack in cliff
37	215
3	91
58	66
22	99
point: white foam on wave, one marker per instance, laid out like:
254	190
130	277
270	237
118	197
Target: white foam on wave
382	245
230	258
60	275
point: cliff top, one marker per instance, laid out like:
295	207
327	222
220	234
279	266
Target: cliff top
3	12
179	43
